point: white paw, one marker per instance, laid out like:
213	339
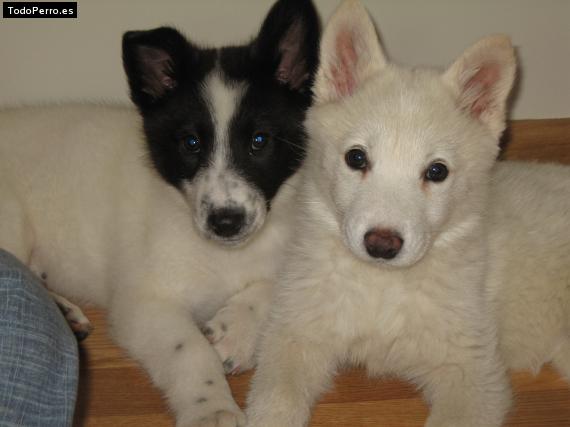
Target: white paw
233	333
78	322
221	418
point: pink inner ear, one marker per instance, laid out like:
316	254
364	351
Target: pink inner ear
293	68
157	66
343	71
481	84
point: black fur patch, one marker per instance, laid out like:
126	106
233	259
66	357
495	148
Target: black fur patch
165	73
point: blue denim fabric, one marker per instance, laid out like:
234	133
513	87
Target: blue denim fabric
38	352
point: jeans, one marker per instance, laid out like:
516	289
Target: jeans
38	352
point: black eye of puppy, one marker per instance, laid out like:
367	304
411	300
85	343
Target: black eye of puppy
356	159
191	144
259	141
436	172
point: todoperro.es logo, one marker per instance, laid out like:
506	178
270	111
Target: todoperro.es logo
24	9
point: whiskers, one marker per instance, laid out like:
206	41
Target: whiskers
301	147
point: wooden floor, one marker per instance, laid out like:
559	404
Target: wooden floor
115	392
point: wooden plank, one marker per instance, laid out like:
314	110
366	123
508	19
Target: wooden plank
541	140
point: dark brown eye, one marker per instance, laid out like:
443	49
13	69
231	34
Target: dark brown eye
191	144
356	159
436	172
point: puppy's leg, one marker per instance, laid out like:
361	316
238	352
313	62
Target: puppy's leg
292	372
468	391
235	328
78	322
162	335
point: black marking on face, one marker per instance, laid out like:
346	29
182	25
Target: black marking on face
168	130
263	139
269	167
165	72
279	73
44	276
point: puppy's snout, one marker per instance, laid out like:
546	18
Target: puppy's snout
382	243
226	222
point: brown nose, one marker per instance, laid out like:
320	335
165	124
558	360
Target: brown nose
381	243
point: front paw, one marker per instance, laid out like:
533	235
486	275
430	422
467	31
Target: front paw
78	322
233	333
219	418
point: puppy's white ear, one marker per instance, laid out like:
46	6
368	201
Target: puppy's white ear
483	77
350	53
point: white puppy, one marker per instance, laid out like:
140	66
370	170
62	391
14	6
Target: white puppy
397	264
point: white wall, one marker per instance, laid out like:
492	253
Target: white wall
46	60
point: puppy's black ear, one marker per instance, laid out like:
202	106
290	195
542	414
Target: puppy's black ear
155	62
287	44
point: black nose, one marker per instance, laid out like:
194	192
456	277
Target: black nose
381	243
226	222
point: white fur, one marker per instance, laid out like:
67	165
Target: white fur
219	186
482	281
81	203
529	278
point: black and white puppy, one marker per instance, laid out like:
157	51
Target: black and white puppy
178	227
